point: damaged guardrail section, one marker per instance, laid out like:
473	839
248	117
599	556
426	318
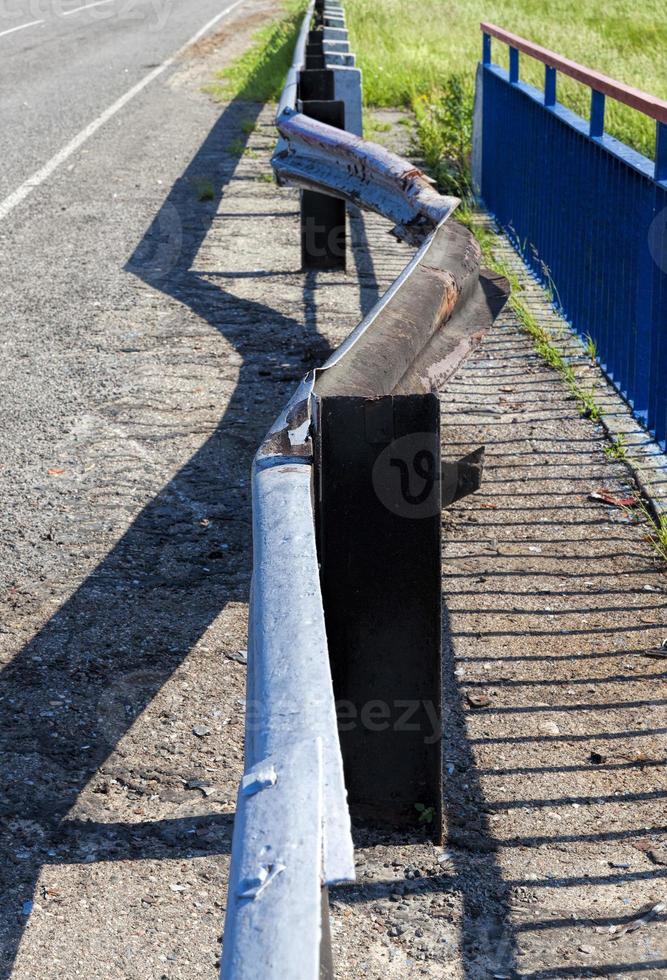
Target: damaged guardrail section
321	158
347	492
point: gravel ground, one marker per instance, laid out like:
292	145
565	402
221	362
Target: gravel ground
172	330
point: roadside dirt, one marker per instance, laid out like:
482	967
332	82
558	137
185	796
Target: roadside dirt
124	618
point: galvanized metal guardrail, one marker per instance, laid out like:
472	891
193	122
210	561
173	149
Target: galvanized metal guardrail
345	604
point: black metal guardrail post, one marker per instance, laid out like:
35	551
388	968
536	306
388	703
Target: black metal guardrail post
322	216
379	506
379	503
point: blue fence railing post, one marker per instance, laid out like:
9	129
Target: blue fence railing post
486	49
657	260
549	86
514	65
658	250
661	151
596	127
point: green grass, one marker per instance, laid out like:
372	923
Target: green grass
660	542
616	449
543	341
656	528
591	348
426	813
373	125
413	50
259	74
236	147
204	188
444	132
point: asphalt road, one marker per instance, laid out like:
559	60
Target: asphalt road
64	62
72	214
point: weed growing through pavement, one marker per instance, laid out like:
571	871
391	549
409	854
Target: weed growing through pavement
236	147
616	449
656	531
657	535
588	406
239	148
548	282
591	348
660	542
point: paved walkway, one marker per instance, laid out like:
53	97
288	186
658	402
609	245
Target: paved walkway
127	555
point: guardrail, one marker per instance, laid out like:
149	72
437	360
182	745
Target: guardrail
345	604
587	213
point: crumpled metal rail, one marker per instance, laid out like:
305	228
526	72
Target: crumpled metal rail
323	158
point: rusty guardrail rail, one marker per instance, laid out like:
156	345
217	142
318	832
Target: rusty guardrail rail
341	544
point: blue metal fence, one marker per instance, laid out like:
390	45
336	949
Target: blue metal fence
587	213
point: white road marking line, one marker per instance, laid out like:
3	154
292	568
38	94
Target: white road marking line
30	23
86	6
45	172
